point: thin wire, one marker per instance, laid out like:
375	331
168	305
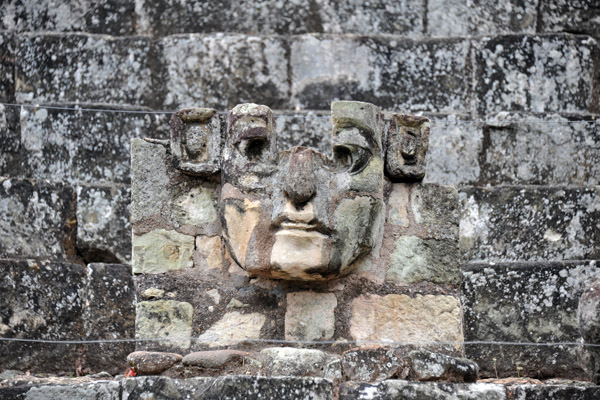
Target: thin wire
304	342
286	115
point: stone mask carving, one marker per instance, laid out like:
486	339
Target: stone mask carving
299	215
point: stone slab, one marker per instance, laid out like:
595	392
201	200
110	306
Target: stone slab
524	302
564	391
162	250
109	313
223	70
544	73
458	18
310	316
41	300
103	228
433	73
397	389
169	321
229	387
89	147
288	361
566	149
37	220
513	223
573	16
7	65
83	68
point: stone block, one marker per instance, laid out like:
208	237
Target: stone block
83	68
433	73
195	206
397	389
232	328
435	209
524	302
454	147
220	71
41	300
561	391
288	361
153	362
530	223
310	316
215	359
166	319
109	313
417	260
114	17
162	250
573	16
149	181
229	387
428	366
566	148
107	390
86	147
309	129
373	364
103	228
401	319
37	220
208	254
458	18
547	73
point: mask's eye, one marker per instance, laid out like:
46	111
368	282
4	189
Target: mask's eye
254	149
350	158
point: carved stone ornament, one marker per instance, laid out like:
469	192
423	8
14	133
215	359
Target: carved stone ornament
300	215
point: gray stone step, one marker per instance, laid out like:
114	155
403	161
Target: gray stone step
530	223
527	303
544	73
434	17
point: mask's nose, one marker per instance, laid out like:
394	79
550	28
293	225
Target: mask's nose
299	186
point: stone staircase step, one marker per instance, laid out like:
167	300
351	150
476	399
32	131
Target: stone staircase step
533	302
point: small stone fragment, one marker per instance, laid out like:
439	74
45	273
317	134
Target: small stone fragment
429	366
153	362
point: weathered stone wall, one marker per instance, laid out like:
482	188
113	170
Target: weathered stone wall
512	88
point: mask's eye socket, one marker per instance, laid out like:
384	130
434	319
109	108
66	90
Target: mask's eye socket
254	149
350	158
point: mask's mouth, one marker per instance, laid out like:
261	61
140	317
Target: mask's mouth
285	223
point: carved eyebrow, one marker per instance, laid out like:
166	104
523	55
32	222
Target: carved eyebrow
365	133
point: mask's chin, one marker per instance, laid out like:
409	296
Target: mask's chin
300	254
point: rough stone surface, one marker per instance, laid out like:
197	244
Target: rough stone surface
458	18
530	223
417	260
397	389
524	302
84	391
165	319
214	358
428	366
566	148
103	228
41	300
309	129
80	146
83	68
588	316
37	220
400	318
115	17
229	387
373	364
549	73
433	73
288	361
564	391
153	363
573	16
161	251
208	254
235	69
232	328
7	60
310	316
109	313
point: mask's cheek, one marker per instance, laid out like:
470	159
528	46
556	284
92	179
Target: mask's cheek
240	218
356	224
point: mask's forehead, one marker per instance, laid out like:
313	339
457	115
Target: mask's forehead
248	121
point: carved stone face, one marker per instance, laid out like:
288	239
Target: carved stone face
300	215
407	145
